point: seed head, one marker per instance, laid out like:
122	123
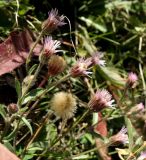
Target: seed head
120	137
132	80
81	67
64	105
53	22
56	65
100	100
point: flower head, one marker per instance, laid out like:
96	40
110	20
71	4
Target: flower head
100	100
64	105
120	137
56	65
136	110
53	22
142	156
81	67
50	46
96	59
132	79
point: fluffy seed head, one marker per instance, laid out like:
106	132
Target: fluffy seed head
56	65
81	67
120	137
101	99
64	105
53	22
132	80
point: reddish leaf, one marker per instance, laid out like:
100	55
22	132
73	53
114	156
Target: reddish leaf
14	50
5	154
101	127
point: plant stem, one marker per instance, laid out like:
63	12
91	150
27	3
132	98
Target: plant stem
31	50
37	132
69	129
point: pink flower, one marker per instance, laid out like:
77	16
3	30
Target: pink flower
100	100
140	107
53	21
50	46
120	137
81	67
96	59
142	156
132	79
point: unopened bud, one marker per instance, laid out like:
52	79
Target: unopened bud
56	65
12	108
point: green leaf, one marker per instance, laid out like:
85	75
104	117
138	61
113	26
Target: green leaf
2	111
97	25
111	74
18	87
27	124
32	95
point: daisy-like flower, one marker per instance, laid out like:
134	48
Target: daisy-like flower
96	59
142	156
56	65
64	105
53	22
132	80
81	67
120	137
101	99
50	46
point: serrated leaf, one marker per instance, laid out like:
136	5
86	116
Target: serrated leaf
27	124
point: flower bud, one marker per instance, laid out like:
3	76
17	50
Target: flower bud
56	65
12	108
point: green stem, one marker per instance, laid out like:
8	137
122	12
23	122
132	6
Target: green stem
31	50
62	135
30	83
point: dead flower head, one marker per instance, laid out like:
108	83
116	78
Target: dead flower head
64	105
